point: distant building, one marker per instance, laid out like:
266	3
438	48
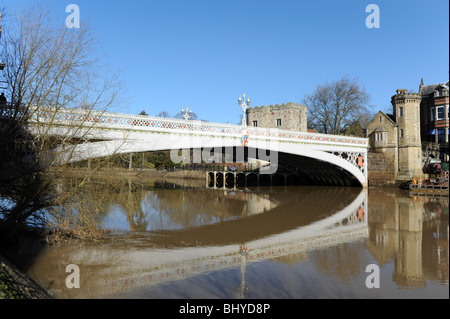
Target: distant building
288	116
434	119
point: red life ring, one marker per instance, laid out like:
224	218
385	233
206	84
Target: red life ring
360	214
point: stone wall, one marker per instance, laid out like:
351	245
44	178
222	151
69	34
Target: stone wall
410	162
292	116
381	169
382	132
382	165
406	108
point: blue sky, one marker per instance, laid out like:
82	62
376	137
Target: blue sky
204	54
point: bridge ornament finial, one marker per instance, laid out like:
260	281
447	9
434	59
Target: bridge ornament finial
186	114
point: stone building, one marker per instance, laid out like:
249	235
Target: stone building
395	152
434	114
288	116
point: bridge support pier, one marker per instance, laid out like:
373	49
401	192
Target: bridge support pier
231	180
224	181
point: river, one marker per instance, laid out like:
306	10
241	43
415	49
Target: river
182	241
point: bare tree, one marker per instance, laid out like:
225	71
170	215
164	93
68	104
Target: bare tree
163	114
334	106
49	69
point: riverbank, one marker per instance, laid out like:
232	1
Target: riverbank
180	177
178	174
15	284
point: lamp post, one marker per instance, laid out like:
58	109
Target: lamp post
186	114
2	65
244	105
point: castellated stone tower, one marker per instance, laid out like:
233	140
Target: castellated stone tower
406	108
290	116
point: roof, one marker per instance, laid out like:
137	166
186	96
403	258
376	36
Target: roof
390	117
380	129
427	89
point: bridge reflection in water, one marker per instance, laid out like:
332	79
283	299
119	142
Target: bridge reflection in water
287	223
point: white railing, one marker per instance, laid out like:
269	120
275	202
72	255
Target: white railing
122	121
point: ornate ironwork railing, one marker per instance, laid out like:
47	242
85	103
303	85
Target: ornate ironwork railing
121	121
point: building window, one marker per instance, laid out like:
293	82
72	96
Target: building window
401	111
440	112
441	135
402	134
278	122
379	137
432	114
255	123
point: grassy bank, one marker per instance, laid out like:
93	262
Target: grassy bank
15	284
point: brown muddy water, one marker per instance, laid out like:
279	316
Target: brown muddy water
169	241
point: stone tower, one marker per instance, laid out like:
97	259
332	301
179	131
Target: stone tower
290	116
406	108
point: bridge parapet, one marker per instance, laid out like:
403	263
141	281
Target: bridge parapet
129	122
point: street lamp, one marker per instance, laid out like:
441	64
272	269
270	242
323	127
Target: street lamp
186	114
2	67
244	104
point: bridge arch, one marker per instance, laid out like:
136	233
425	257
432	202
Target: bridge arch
314	167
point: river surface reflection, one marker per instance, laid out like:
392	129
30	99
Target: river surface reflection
169	241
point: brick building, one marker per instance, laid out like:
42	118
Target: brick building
288	116
434	119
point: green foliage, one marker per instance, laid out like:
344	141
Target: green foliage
355	128
8	289
149	160
161	159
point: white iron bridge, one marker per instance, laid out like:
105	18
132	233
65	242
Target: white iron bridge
107	133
